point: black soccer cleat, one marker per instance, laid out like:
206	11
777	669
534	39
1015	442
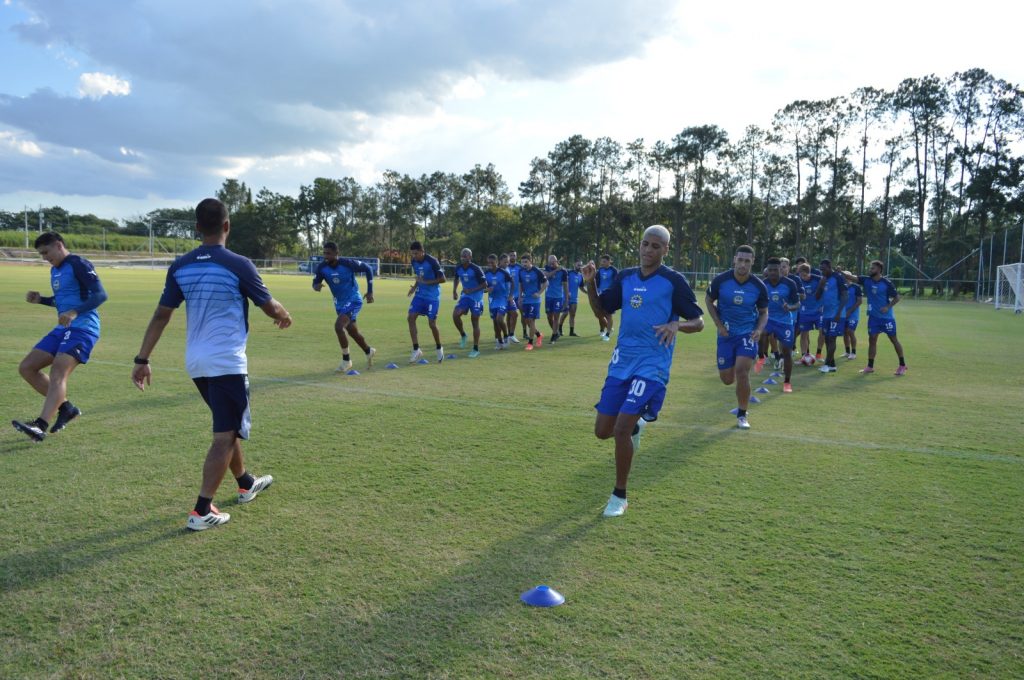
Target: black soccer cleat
65	416
30	429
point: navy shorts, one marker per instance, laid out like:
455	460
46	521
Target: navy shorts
729	349
75	342
876	326
554	305
832	328
531	310
783	332
632	396
468	304
809	323
228	399
349	309
424	307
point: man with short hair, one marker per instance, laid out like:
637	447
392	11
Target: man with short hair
556	294
426	298
832	293
215	284
510	264
738	304
881	295
575	286
652	298
77	292
809	316
854	298
783	300
532	283
340	275
606	273
499	283
473	281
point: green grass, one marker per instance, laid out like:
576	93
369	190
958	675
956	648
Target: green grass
866	526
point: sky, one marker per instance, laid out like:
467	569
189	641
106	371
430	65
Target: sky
122	107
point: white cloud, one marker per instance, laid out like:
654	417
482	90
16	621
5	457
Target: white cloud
97	85
10	140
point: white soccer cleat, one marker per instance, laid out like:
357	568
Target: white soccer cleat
498	345
616	507
259	484
828	369
513	339
440	354
742	423
369	357
214	518
344	367
640	425
416	355
851	355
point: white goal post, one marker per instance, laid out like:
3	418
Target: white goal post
1010	287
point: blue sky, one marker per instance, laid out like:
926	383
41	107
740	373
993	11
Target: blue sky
121	107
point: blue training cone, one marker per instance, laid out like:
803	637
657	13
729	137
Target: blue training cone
422	361
754	400
392	365
770	381
735	411
353	372
763	390
776	374
450	356
542	596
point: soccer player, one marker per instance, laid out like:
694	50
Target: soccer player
652	298
556	294
473	281
215	284
426	298
832	293
531	284
606	273
809	316
77	292
854	298
783	300
509	262
738	304
881	295
499	287
575	286
340	275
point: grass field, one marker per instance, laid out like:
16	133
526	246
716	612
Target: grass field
868	526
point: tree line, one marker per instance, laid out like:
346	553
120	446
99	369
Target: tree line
932	167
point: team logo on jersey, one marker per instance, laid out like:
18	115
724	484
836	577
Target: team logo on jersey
721	360
737	299
55	283
775	297
337	279
636	301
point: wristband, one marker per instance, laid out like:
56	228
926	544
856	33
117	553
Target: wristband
139	361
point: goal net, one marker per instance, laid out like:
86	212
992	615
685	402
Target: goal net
1010	287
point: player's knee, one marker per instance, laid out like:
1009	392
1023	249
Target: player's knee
727	377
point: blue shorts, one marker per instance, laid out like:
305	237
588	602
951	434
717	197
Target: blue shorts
729	349
349	309
832	328
531	310
851	323
228	399
876	326
512	306
75	342
497	310
424	307
783	332
468	304
632	396
554	305
809	323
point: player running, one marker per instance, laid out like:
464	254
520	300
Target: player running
783	300
340	275
881	295
606	273
854	298
832	293
531	284
499	283
473	281
556	295
575	286
508	263
426	298
809	317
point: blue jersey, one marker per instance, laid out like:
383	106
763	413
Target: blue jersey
215	284
879	294
738	303
341	279
513	271
831	297
575	285
853	294
429	269
531	281
499	285
810	305
645	303
76	286
605	276
556	277
783	293
471	277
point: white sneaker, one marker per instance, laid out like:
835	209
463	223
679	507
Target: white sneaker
440	355
641	424
616	507
606	337
344	367
259	484
851	355
498	345
513	339
828	369
741	423
369	357
214	518
416	355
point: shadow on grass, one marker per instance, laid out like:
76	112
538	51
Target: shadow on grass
433	629
25	569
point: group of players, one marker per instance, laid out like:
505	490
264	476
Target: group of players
752	316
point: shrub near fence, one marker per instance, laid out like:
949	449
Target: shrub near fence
96	242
